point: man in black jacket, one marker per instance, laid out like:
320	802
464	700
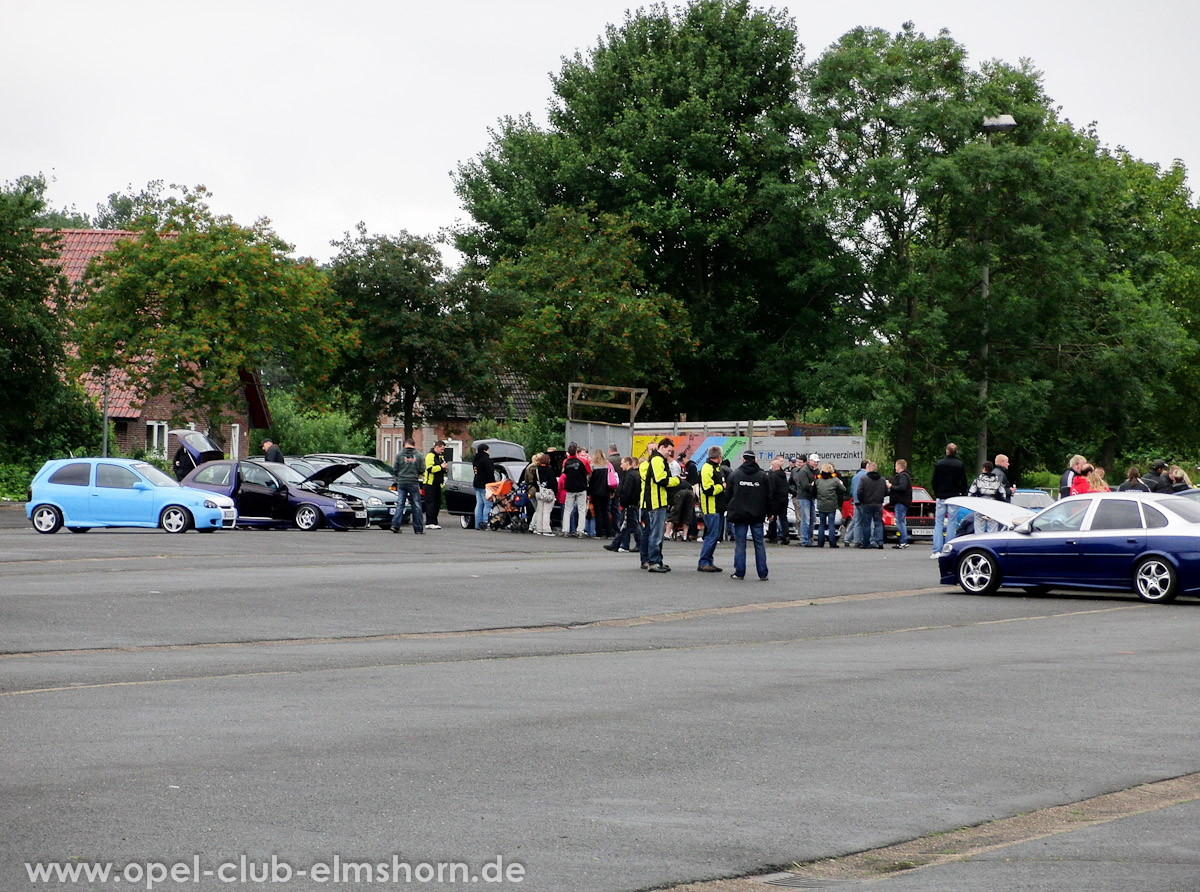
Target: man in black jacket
949	480
777	502
900	495
746	512
872	490
804	481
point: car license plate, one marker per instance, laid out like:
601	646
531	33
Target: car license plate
361	513
921	531
228	514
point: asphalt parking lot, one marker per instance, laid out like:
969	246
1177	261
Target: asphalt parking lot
491	698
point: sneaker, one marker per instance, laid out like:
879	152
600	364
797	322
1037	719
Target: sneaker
708	568
659	568
735	576
762	579
933	556
902	545
610	547
645	566
432	526
622	551
396	530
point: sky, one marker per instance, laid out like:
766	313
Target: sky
318	115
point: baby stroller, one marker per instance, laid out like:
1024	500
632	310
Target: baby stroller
507	513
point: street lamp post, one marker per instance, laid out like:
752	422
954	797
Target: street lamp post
996	124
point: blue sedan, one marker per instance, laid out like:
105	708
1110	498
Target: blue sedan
1115	541
82	493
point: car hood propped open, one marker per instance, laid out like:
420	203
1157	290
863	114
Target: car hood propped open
1006	512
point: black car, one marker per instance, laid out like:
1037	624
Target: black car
268	494
510	464
379	499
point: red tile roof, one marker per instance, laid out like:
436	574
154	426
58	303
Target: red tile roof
78	246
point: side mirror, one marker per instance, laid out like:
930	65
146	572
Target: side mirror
1023	528
143	485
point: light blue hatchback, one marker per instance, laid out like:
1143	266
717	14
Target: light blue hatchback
82	493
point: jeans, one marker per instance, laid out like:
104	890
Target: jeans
870	528
901	512
481	508
739	549
828	521
943	514
712	535
576	501
654	527
411	493
628	526
852	528
806	515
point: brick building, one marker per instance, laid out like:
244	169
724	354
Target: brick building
138	421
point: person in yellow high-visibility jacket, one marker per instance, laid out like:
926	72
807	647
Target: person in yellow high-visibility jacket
712	484
656	479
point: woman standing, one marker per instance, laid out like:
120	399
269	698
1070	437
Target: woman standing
600	491
831	492
544	491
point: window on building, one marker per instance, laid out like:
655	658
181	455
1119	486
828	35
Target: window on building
156	438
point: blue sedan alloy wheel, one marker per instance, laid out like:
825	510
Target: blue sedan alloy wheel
978	573
1154	579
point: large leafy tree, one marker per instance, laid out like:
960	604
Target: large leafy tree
420	332
685	123
932	208
43	414
193	300
581	309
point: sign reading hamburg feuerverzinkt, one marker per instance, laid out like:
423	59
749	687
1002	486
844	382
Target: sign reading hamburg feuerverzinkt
845	453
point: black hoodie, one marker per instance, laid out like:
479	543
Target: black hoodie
872	489
748	488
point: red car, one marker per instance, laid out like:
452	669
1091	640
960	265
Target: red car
919	519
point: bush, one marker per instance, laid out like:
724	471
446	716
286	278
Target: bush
15	480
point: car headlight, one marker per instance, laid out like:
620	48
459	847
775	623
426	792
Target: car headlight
374	501
947	549
209	503
342	504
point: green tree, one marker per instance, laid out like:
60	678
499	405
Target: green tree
43	415
190	302
581	310
420	332
684	124
931	208
126	210
303	428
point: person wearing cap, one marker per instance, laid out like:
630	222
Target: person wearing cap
431	482
272	450
1157	479
804	481
747	511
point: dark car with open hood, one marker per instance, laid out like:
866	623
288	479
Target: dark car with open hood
269	494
